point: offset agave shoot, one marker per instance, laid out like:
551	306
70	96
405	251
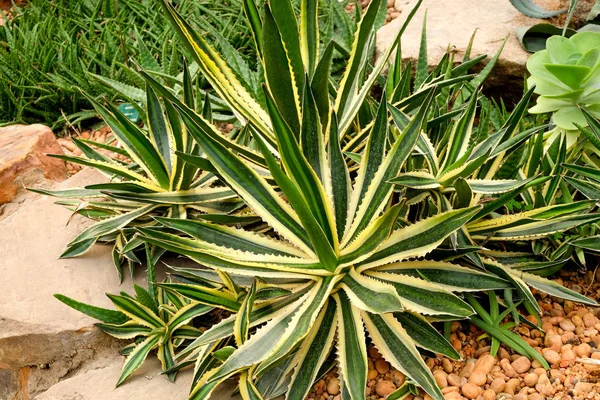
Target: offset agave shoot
461	172
155	180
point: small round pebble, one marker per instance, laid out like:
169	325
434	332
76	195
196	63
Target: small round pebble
471	391
384	388
333	387
382	366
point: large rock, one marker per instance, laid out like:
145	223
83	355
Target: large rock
452	22
23	149
47	350
36	329
147	383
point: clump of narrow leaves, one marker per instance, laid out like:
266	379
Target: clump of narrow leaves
156	172
378	214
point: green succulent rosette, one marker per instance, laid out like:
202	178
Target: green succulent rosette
567	77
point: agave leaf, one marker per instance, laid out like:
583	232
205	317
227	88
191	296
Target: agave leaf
301	173
588	189
112	169
204	295
137	311
532	10
253	188
451	277
125	331
110	225
398	348
588	172
340	178
302	323
532	229
281	75
309	35
418	239
138	146
370	294
314	351
135	359
378	190
425	335
416	180
105	315
231	237
589	243
460	136
266	341
555	289
184	315
183	197
351	348
418	295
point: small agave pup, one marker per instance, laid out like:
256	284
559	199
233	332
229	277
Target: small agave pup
567	77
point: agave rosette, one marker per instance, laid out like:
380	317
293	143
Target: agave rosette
340	234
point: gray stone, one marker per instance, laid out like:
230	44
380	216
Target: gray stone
146	383
42	339
452	22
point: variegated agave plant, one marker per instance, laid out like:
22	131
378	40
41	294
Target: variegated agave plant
355	192
343	241
155	172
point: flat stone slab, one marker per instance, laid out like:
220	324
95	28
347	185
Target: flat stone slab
23	148
146	383
35	328
452	22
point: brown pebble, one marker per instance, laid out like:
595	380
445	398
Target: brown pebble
567	355
583	350
372	374
384	388
382	366
589	320
441	378
485	364
489	395
582	388
333	386
454	380
507	368
447	365
530	379
482	350
498	385
471	391
467	370
544	387
521	364
567	325
373	352
512	386
551	356
398	377
478	378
